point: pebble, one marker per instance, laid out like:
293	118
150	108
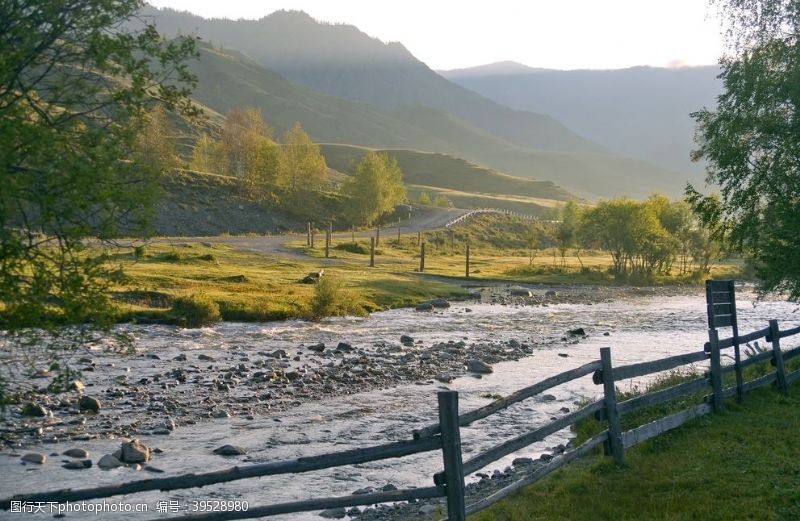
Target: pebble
78	464
88	403
206	358
109	462
478	366
34	457
333	513
77	453
317	348
230	450
34	409
134	451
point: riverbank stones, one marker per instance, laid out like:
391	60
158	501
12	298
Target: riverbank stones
478	366
34	457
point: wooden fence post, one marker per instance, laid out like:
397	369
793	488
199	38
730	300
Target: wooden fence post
308	234
451	455
777	355
615	445
467	262
327	243
372	252
422	257
716	369
398	230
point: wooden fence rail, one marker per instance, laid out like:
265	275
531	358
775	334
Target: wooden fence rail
446	436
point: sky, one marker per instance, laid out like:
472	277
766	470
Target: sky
558	34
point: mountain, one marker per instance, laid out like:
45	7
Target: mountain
228	79
640	112
343	61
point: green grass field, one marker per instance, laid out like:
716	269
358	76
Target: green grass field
739	464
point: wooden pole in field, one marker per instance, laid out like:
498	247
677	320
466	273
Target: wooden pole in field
327	243
398	230
422	257
372	252
308	234
467	259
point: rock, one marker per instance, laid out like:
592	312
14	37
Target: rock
578	331
313	277
170	424
563	355
34	457
520	292
606	334
439	303
317	348
76	385
546	457
278	353
134	452
427	510
221	413
206	358
88	403
230	450
564	410
77	453
445	378
344	346
78	464
333	513
362	491
424	306
478	366
406	340
548	398
551	293
522	461
34	409
388	487
180	358
514	343
109	462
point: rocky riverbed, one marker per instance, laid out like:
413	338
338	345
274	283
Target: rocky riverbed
287	389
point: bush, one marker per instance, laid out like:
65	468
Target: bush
195	310
171	256
331	299
352	247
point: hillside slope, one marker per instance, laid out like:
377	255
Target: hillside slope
343	61
641	112
229	79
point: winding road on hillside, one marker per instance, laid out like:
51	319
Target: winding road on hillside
422	219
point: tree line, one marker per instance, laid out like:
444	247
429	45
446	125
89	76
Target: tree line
643	238
292	175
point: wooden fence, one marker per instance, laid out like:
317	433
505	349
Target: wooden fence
445	435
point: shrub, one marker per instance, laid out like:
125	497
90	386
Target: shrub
352	247
171	256
331	299
196	310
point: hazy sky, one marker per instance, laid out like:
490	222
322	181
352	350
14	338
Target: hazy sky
562	34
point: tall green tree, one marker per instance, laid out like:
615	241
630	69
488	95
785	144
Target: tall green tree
305	165
75	90
374	189
751	141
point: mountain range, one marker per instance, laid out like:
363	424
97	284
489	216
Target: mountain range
346	87
641	112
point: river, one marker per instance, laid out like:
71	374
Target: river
637	328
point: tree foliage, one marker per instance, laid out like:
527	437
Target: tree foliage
374	189
75	90
751	141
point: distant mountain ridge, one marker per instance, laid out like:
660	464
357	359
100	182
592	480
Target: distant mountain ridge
345	62
641	112
231	78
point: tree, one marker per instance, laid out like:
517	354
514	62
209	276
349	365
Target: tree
424	198
374	189
208	155
155	146
441	201
75	88
305	166
752	144
567	231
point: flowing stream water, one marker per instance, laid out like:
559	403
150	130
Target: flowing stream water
639	328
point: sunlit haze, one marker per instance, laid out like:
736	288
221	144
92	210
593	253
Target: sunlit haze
563	35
